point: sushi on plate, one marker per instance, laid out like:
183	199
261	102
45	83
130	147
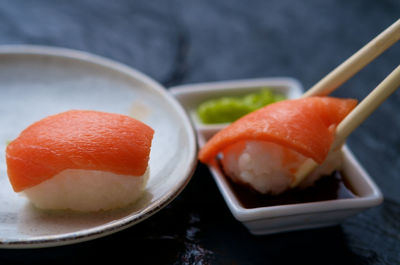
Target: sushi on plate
266	148
81	160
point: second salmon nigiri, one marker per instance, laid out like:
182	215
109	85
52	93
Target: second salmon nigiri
264	149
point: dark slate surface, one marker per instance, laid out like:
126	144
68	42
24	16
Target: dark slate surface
178	42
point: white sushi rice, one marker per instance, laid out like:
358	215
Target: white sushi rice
259	164
87	190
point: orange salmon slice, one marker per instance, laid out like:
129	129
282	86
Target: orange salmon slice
306	125
88	140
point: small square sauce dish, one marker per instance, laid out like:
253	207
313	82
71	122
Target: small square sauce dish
357	189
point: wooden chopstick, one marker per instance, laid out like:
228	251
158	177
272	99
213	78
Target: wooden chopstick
344	72
355	118
365	108
356	62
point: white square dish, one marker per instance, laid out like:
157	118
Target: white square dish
280	218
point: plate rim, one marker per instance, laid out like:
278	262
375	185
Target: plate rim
129	220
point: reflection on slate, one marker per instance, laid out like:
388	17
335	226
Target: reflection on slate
178	42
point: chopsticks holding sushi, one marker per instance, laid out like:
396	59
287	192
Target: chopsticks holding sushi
341	74
277	147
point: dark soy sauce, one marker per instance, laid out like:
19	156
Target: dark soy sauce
330	187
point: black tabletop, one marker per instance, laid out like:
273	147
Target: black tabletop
179	42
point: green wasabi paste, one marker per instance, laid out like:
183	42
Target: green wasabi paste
229	109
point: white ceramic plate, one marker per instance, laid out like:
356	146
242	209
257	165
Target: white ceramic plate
280	218
39	81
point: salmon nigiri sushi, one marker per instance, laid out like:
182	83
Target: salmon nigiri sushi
266	148
81	160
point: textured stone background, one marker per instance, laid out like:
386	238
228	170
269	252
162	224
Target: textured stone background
178	42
